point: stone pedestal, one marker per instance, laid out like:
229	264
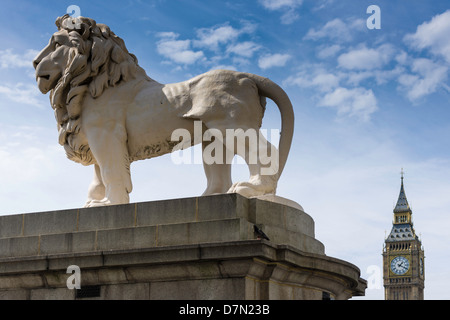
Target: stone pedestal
191	248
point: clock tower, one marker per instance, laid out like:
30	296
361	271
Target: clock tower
403	256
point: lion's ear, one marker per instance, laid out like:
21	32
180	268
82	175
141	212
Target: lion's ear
60	20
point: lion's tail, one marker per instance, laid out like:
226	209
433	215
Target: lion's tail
271	90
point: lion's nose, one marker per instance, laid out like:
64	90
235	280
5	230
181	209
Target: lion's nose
35	63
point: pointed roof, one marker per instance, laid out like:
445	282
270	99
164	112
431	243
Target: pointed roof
402	202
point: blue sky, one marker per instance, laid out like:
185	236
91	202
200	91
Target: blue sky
367	103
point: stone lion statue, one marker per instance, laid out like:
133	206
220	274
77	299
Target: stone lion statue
109	113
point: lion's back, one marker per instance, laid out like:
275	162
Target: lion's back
225	95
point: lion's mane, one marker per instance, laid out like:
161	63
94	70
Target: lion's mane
98	59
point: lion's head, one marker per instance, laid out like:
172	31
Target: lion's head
82	57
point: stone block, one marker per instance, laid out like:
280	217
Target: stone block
30	280
295	239
209	289
52	294
220	231
203	232
19	247
17	264
166	211
112	275
299	221
137	291
20	294
278	215
277	291
67	242
50	222
57	279
222	206
153	255
11	226
303	293
229	250
84	260
126	238
109	217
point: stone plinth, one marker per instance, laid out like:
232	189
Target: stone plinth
192	248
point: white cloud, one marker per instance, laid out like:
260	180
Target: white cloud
336	30
289	17
360	59
329	91
280	4
317	78
433	35
178	51
167	35
223	67
35	173
273	60
427	78
211	37
244	49
356	102
427	75
222	40
329	51
22	153
325	81
8	59
381	76
289	6
322	4
366	58
402	58
23	93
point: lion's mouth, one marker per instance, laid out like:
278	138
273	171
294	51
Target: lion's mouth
45	82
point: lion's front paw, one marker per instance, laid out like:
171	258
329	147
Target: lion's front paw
87	203
97	203
247	189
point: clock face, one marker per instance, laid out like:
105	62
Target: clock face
399	265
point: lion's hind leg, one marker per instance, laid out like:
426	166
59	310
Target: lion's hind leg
248	142
217	170
262	160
